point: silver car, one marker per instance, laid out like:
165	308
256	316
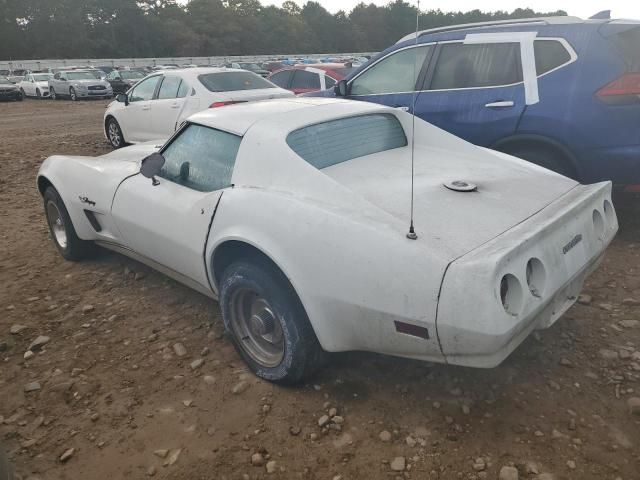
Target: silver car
76	84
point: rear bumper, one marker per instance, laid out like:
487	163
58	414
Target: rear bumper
568	237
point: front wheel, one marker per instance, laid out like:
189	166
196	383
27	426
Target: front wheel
52	94
64	235
114	133
22	94
38	94
267	322
72	94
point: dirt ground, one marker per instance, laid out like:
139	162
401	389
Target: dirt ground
112	387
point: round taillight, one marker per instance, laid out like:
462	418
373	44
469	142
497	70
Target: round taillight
511	294
598	225
536	277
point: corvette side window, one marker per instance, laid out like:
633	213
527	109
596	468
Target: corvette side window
201	158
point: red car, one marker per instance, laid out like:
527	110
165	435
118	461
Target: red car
310	77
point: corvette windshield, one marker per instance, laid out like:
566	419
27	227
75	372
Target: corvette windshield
329	143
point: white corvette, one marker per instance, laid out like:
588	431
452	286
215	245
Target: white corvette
294	213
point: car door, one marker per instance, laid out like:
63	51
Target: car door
55	83
168	105
474	91
392	79
169	222
136	118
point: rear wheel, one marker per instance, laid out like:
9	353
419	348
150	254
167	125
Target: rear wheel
70	246
267	322
114	133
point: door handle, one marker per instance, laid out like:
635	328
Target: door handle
175	105
500	104
401	107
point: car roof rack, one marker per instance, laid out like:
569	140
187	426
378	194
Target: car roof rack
559	20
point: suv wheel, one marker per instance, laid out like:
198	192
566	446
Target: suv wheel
72	94
52	94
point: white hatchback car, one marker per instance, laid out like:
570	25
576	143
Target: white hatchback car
294	213
35	85
155	107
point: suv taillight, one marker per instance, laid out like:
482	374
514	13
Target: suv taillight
223	104
627	84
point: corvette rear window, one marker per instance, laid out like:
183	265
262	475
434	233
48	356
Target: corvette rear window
233	81
329	143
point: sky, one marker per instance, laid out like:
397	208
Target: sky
582	8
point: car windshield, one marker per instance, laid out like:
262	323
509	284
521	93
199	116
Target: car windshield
81	76
250	66
129	74
41	77
233	81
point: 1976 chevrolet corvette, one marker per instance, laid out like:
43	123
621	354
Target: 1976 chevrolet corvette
294	213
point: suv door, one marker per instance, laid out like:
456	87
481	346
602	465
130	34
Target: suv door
392	79
168	105
474	91
135	119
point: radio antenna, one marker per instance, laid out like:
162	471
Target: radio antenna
412	233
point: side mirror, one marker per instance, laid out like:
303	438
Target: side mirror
151	166
341	88
122	98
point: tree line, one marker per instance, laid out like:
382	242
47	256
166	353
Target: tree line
31	29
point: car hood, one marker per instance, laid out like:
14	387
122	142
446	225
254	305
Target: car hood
257	94
509	191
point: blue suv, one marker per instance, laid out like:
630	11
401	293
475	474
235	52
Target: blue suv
561	92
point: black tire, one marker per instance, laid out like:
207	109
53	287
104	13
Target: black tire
302	355
544	156
114	133
52	94
73	248
6	470
73	95
22	94
38	94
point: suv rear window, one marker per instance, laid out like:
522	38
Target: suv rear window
336	141
483	65
233	81
549	54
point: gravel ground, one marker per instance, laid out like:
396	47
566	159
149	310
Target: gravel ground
113	390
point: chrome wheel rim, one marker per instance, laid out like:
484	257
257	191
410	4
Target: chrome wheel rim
257	327
72	93
52	94
114	134
56	224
